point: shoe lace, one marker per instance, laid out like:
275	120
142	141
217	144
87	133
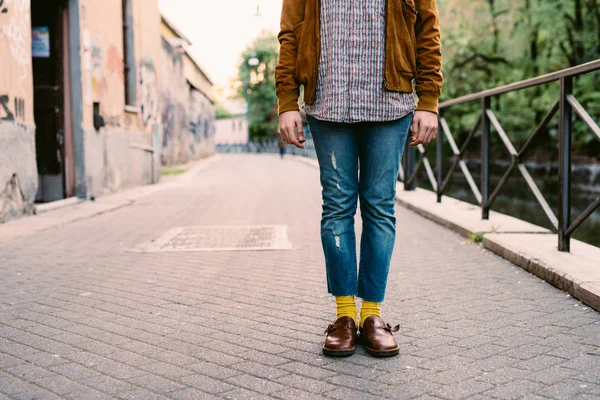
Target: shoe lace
391	329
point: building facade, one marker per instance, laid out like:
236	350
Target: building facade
232	131
187	107
81	86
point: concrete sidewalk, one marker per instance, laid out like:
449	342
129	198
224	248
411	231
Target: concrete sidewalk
85	314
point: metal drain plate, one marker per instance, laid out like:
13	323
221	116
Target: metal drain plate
221	238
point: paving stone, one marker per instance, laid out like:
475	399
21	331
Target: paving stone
404	375
515	389
463	389
141	394
239	394
191	394
260	370
454	375
7	360
156	383
567	389
348	393
263	358
364	385
29	371
165	370
34	393
411	390
59	385
109	385
549	376
308	384
504	375
183	325
255	384
540	363
314	358
297	394
445	363
307	370
119	371
206	384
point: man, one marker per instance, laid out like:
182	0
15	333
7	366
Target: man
358	61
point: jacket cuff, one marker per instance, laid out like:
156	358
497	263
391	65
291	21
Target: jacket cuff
428	101
288	101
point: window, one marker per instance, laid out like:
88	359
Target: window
129	54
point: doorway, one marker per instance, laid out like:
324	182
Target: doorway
52	106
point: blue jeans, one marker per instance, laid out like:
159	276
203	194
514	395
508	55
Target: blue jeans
377	147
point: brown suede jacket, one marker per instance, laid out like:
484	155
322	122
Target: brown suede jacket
412	51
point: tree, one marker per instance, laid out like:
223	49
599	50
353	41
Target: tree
256	84
488	43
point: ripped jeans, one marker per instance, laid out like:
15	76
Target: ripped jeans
377	147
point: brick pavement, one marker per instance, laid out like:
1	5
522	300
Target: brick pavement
83	317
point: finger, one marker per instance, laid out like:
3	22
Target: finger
415	127
300	130
416	141
296	143
434	131
430	134
289	134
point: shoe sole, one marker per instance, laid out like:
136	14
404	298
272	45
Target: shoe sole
383	354
338	353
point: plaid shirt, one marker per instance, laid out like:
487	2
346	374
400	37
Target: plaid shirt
351	69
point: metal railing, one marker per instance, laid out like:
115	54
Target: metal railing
267	146
565	105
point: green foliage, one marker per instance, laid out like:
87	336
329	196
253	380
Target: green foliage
172	171
256	84
221	112
476	237
488	43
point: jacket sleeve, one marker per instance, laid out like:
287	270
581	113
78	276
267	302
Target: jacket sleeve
429	78
287	89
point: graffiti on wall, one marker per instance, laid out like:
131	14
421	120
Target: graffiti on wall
101	66
148	92
17	31
10	113
201	123
187	115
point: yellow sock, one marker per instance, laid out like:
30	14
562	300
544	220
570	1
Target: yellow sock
369	309
346	307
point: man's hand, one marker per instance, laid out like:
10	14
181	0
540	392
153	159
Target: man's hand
424	128
289	121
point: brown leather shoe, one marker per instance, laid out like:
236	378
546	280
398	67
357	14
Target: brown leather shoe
378	337
341	338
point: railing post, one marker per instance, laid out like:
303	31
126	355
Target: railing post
409	165
440	159
485	158
564	160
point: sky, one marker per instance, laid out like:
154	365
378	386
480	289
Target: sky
220	30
